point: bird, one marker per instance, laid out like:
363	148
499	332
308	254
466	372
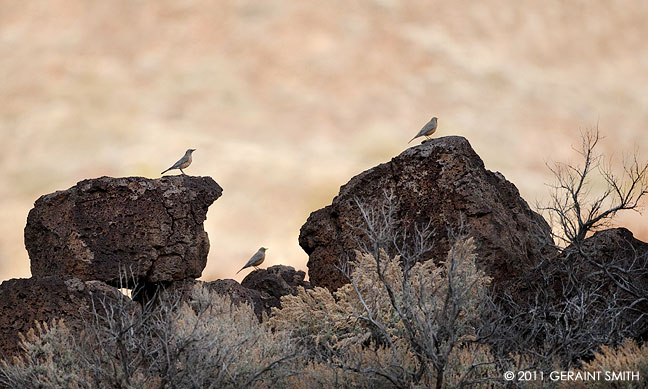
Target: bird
182	163
256	259
427	130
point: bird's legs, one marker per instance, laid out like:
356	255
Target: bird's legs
183	173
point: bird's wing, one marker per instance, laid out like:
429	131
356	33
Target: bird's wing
255	258
252	261
177	164
428	128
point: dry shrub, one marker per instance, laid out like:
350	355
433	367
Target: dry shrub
49	360
204	342
389	327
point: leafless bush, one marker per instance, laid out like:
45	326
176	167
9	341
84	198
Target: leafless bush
553	330
167	343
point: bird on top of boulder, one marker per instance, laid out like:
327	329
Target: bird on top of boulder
256	260
428	129
182	163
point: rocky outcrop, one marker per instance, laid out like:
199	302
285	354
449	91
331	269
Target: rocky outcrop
26	301
442	181
101	227
614	265
275	282
616	247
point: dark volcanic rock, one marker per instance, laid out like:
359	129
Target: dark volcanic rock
613	263
276	281
618	247
154	228
442	181
25	301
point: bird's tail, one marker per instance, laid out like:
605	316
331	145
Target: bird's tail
241	269
412	140
165	171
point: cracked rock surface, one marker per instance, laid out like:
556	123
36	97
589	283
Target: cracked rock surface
441	181
153	227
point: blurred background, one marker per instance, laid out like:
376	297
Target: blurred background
287	100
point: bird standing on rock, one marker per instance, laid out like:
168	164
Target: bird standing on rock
427	130
256	259
182	163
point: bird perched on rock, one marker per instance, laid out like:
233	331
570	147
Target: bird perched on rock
427	130
182	163
256	259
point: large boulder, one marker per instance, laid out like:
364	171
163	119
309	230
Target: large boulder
99	228
26	301
442	181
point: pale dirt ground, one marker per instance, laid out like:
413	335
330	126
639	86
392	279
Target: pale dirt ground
287	100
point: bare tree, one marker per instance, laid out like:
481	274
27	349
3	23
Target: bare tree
575	209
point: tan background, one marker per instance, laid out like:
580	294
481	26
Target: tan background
287	100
